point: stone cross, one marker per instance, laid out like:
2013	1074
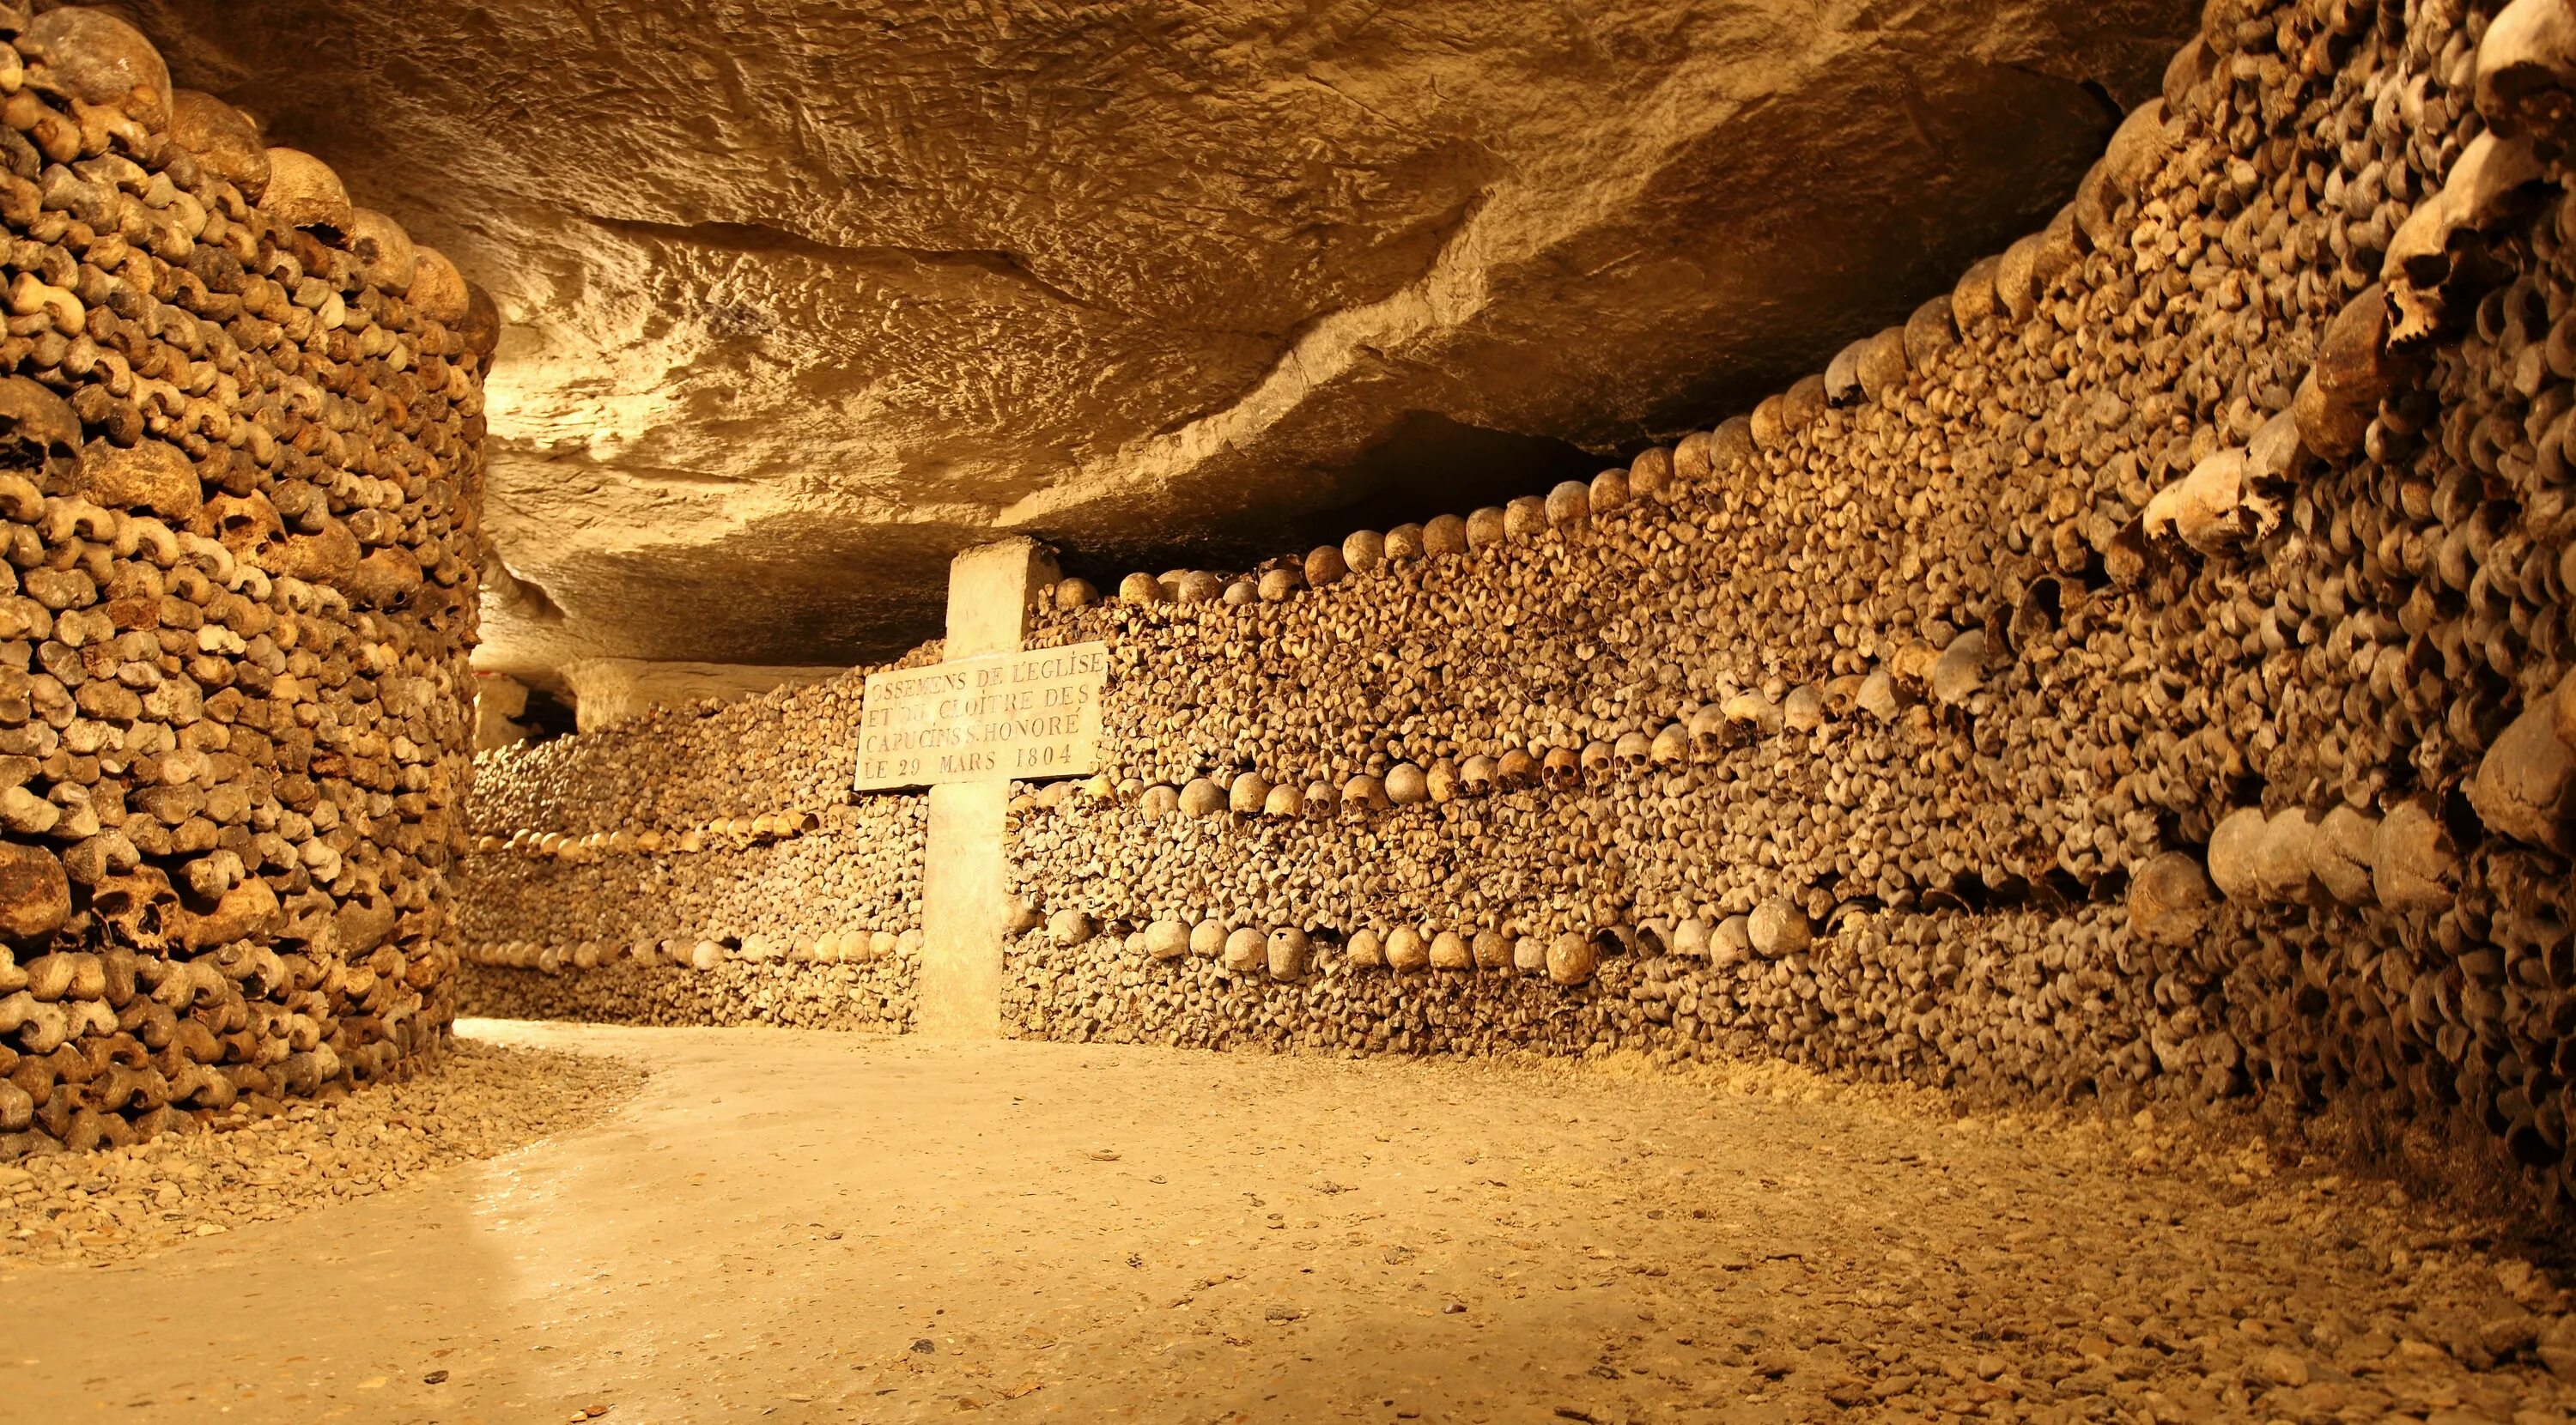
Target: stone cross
965	870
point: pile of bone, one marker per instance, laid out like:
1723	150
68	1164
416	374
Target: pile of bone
2001	1005
240	425
1951	675
860	869
2225	513
853	980
674	769
723	833
482	1101
833	947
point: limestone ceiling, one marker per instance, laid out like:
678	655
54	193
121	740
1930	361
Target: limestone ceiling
805	296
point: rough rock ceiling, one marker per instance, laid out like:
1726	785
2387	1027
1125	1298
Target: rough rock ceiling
806	295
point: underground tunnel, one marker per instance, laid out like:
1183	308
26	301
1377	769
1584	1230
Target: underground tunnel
1667	710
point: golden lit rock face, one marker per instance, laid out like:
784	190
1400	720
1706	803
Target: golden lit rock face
806	297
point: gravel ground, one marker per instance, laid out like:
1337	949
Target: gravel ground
805	1226
476	1100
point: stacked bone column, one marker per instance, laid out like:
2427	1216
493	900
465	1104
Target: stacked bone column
697	865
240	427
2141	673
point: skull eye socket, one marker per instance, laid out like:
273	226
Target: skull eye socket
22	448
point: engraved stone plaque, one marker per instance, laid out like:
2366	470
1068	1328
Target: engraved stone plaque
995	717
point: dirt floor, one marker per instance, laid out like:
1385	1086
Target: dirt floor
811	1226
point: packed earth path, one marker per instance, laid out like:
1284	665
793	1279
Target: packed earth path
806	1226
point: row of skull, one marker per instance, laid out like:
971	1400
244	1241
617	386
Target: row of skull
1774	929
1702	739
853	946
722	833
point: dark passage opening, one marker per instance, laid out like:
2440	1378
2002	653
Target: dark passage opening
1431	465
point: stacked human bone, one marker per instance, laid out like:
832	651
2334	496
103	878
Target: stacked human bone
2139	673
698	865
240	426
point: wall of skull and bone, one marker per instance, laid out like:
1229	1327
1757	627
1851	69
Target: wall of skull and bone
697	865
240	435
2143	675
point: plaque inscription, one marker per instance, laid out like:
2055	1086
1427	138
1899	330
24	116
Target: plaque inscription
994	717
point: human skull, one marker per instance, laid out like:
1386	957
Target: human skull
1406	949
1167	940
39	434
1634	751
1757	714
1367	950
1449	951
1476	776
1571	958
140	907
1516	771
1289	952
247	525
1711	733
303	192
1672	746
222	139
384	251
95	58
2526	66
1778	928
1446	534
1600	761
1562	771
1804	709
1569	505
1247	951
1691	938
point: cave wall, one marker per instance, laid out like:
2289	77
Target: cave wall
240	467
2136	678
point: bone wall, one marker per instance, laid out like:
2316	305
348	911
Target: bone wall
240	468
2138	676
698	865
